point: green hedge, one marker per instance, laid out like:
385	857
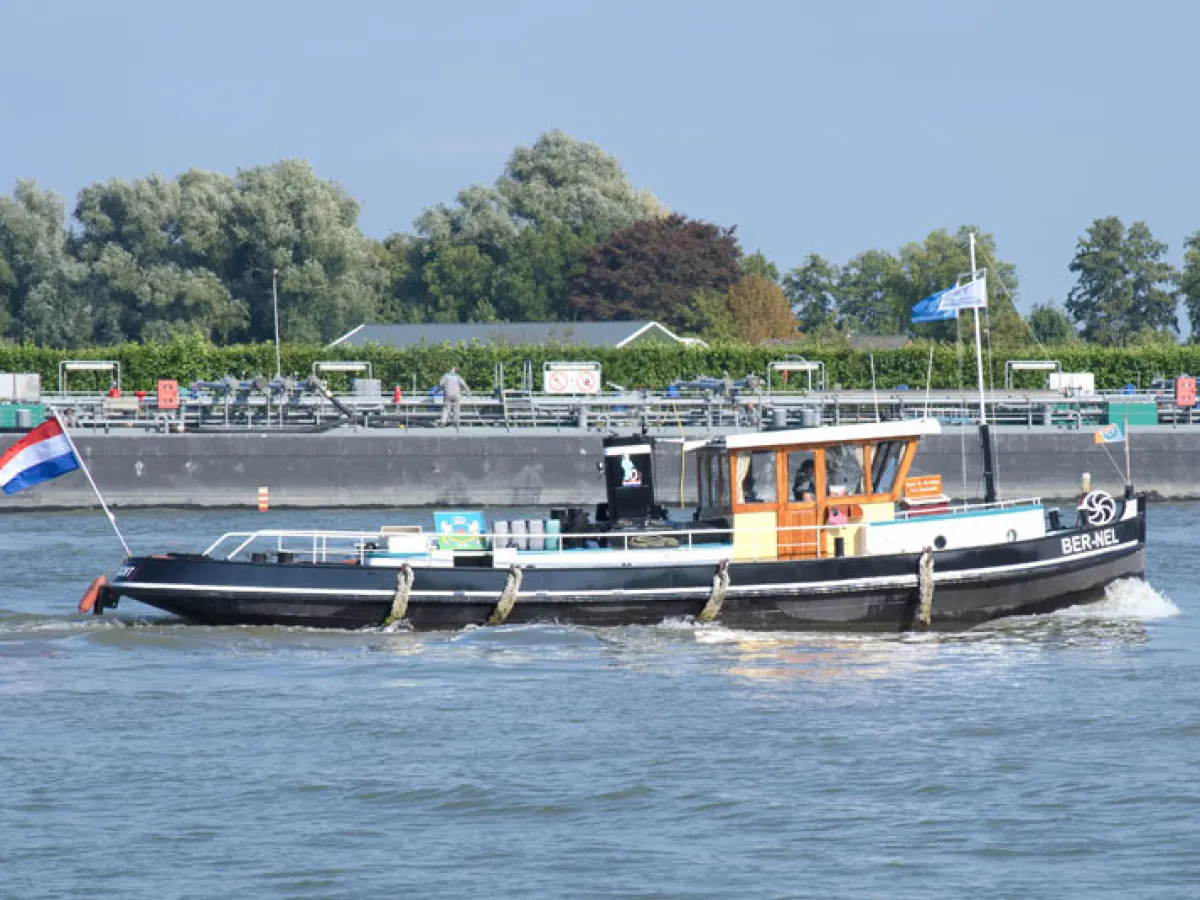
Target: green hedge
650	366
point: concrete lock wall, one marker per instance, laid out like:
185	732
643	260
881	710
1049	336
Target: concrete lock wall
535	469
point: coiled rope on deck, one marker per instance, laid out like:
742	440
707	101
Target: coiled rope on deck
925	587
508	597
716	597
404	583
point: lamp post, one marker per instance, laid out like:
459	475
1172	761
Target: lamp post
275	302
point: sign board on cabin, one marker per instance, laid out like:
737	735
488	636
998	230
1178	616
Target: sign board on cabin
571	378
923	486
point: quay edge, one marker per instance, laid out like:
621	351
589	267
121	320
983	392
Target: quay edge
490	467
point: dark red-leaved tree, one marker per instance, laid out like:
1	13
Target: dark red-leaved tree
653	268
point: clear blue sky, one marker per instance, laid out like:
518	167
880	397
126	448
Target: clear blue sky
827	127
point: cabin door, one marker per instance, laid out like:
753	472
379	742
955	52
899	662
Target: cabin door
798	535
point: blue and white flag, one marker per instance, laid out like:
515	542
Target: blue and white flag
930	310
42	454
945	304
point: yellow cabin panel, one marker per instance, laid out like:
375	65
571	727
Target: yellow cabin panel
754	535
853	536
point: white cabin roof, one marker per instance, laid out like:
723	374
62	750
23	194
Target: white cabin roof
835	434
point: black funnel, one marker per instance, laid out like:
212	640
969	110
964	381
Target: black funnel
629	477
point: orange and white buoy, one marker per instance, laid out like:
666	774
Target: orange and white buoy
263	500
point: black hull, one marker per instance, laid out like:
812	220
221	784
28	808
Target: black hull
858	593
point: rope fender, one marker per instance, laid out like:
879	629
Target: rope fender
925	587
404	583
508	597
716	597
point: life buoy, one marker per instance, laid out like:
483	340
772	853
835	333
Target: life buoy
88	603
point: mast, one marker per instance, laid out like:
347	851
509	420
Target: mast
978	346
989	474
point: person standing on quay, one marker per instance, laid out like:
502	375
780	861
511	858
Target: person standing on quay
453	387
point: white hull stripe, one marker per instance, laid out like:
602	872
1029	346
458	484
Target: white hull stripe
801	587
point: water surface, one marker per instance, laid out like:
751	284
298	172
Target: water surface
141	757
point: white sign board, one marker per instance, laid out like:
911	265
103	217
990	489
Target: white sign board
20	388
1074	382
972	295
571	378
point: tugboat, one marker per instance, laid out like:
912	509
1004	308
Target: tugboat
811	528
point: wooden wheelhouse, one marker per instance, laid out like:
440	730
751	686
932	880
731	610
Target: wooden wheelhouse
806	493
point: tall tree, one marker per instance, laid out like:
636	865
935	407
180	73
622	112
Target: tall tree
812	290
287	218
1050	324
41	299
871	294
157	250
758	264
706	315
1124	286
760	311
1189	283
553	201
944	259
651	270
562	179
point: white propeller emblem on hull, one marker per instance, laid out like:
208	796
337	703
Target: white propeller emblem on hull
1098	508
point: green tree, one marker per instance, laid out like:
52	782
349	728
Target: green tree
812	290
553	201
41	300
871	295
943	260
403	296
1124	283
532	283
562	179
1189	283
459	280
286	218
758	264
706	315
651	270
1050	325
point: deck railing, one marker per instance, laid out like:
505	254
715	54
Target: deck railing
334	546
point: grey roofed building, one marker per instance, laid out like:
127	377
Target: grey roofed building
583	334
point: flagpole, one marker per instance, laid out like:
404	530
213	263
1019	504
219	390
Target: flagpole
1128	478
79	456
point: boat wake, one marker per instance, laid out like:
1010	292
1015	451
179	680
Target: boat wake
1127	599
19	625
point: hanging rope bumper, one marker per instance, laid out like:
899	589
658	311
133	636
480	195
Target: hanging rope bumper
404	583
720	585
508	597
925	587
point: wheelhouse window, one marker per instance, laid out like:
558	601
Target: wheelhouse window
755	477
885	465
802	476
844	470
710	496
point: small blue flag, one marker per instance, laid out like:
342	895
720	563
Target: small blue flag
930	309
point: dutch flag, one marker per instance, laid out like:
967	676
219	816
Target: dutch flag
42	454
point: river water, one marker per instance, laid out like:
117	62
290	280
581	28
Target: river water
1054	756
